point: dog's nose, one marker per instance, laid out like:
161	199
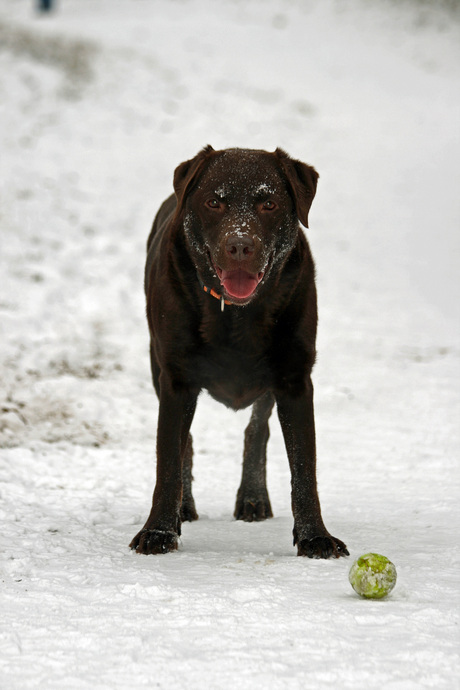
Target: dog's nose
240	247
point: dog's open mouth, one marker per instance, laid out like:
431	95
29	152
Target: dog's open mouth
239	284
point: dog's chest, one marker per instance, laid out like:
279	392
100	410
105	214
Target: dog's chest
233	368
236	385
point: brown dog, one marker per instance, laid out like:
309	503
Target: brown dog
231	306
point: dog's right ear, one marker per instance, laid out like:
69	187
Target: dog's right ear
186	174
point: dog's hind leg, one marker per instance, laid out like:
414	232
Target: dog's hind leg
252	501
188	511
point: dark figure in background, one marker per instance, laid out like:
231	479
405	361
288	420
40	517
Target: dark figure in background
45	5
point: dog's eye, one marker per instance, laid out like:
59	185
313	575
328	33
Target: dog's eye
213	203
269	205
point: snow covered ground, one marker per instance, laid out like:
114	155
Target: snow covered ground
98	103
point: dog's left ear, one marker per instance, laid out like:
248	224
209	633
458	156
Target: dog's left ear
187	173
302	179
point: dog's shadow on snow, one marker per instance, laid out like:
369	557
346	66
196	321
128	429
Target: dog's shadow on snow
226	536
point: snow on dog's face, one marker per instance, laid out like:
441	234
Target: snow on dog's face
240	210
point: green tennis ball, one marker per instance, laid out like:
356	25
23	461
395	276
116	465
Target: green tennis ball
372	576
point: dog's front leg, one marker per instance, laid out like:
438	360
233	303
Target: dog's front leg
297	422
161	532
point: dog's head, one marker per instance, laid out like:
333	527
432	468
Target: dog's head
240	210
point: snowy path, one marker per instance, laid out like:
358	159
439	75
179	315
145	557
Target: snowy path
98	103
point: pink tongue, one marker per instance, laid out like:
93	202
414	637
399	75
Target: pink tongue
239	283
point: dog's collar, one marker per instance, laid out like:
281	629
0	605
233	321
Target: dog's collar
215	294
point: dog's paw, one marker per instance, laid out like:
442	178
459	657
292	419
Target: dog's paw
322	547
254	508
153	541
